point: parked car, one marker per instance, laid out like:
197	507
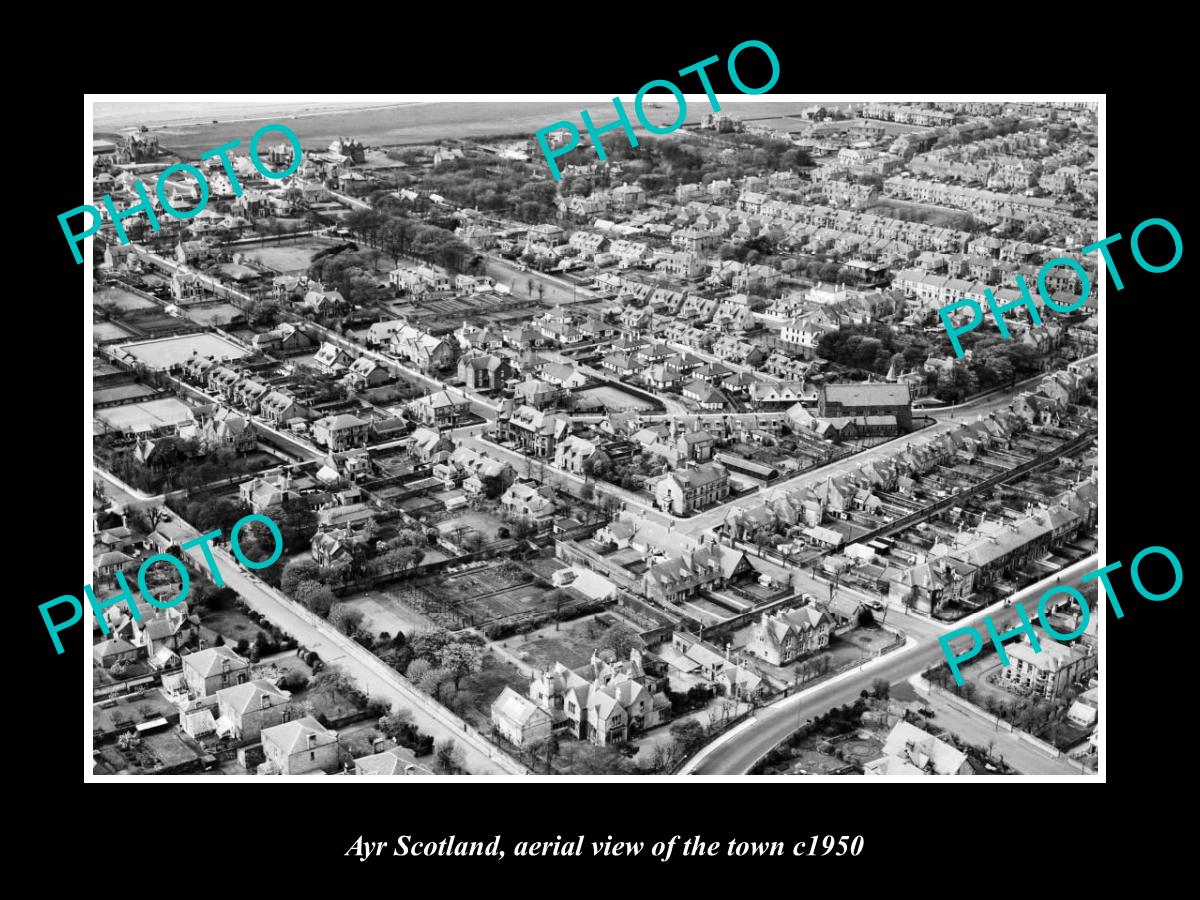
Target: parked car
874	604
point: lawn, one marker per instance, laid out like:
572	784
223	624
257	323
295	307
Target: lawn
571	645
481	521
869	640
130	711
286	256
231	624
169	747
843	650
382	611
355	739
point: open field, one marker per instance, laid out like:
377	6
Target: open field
164	353
288	257
108	331
616	400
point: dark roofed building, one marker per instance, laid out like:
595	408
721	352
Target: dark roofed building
852	400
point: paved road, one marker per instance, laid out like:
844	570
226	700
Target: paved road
471	436
773	724
375	678
715	516
1023	757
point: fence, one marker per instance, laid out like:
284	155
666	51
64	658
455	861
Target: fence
368	660
963	705
726	726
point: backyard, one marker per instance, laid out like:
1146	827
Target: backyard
478	691
571	645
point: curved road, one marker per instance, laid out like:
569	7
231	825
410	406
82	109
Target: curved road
742	750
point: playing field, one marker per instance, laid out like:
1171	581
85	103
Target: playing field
174	351
154	413
108	331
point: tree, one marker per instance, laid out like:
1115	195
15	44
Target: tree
449	757
428	646
297	570
866	618
396	724
880	688
433	681
316	597
460	659
557	598
688	735
547	749
418	669
345	618
620	638
587	759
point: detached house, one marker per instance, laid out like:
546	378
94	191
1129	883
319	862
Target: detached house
278	407
298	747
246	709
685	490
484	372
213	669
519	720
332	359
440	409
784	637
525	501
605	702
341	432
367	373
535	432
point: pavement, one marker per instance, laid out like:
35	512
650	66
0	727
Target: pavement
373	677
729	755
739	754
1022	756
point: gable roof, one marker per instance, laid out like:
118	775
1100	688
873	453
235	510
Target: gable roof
249	696
210	661
292	737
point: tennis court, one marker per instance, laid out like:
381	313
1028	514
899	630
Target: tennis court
175	351
152	413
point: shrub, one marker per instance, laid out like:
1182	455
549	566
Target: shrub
294	681
377	706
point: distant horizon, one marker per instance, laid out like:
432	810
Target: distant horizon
108	115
